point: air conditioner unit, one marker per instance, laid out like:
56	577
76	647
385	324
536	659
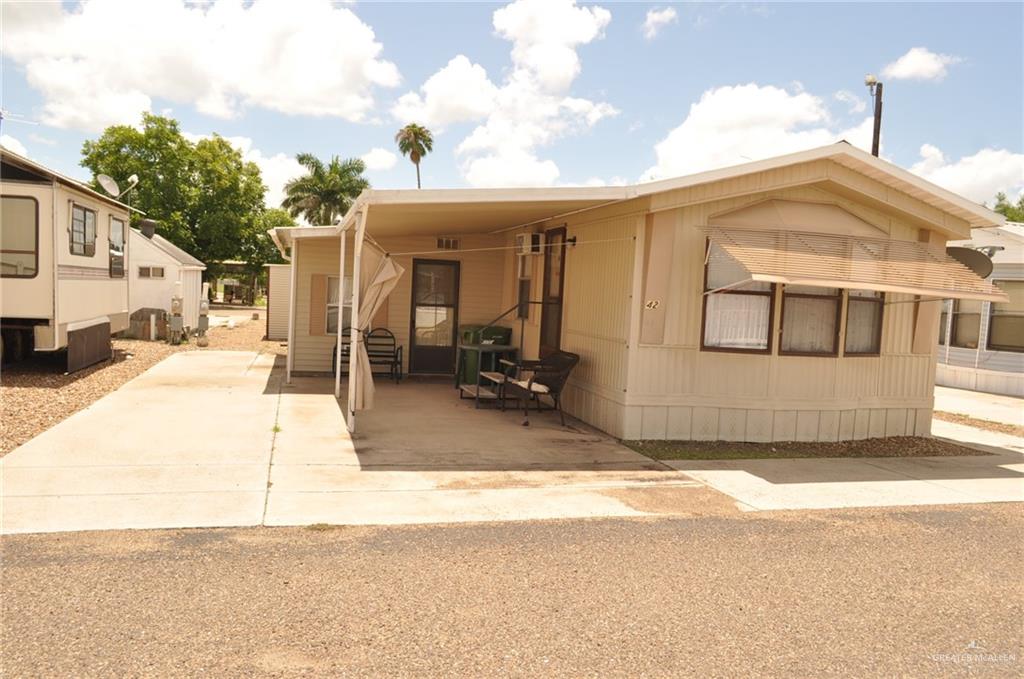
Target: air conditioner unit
529	243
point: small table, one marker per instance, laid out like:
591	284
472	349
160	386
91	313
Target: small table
476	390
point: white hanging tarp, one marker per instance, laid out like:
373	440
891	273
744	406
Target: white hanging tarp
379	275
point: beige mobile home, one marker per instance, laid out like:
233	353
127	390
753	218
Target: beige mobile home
795	298
63	255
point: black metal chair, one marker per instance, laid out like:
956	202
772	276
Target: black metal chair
382	349
547	378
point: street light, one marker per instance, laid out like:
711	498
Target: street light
875	88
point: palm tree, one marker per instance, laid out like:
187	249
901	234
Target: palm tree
325	192
415	141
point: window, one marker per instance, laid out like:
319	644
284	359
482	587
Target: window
864	310
810	320
83	231
151	272
19	237
116	248
525	264
332	304
739	316
1006	319
966	323
944	323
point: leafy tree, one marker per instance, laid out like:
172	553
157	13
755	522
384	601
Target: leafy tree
415	141
325	192
1012	212
207	199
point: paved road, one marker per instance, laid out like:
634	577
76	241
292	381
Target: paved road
849	592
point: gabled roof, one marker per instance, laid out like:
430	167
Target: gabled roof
511	208
171	250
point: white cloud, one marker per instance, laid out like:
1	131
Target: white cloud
657	19
276	170
12	144
978	177
855	103
920	63
39	139
736	124
459	92
308	58
379	159
531	108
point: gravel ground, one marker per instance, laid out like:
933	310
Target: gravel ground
36	394
898	592
897	446
987	425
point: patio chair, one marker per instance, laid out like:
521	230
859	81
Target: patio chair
382	349
547	378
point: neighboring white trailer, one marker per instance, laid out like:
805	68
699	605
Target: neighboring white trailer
62	262
156	265
279	285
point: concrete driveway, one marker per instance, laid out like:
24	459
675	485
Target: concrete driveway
215	439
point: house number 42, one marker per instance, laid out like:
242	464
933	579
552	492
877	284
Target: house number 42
652	304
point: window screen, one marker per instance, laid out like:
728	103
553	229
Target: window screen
19	237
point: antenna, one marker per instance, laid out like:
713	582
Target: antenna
14	118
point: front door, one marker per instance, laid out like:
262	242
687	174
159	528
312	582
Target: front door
554	284
435	316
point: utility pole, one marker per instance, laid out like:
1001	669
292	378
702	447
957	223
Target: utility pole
876	93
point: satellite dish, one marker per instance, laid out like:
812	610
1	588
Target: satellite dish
978	262
109	185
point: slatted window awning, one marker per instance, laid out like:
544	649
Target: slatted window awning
853	262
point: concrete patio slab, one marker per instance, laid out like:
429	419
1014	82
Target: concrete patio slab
993	407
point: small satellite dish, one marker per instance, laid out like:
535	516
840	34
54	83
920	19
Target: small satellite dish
109	185
976	261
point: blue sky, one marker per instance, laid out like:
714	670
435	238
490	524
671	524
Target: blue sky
534	93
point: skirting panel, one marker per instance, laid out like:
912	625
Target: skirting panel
988	381
703	423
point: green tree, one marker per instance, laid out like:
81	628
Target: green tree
325	192
1012	212
415	141
206	198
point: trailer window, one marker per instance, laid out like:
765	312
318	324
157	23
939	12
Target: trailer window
83	231
19	237
116	248
737	311
151	272
1006	319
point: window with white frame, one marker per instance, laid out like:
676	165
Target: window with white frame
151	272
944	322
116	248
1006	319
334	301
864	309
737	311
83	231
966	330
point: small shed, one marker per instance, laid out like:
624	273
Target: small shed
156	265
278	295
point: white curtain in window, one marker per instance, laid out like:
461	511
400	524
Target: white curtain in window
862	326
737	321
809	325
